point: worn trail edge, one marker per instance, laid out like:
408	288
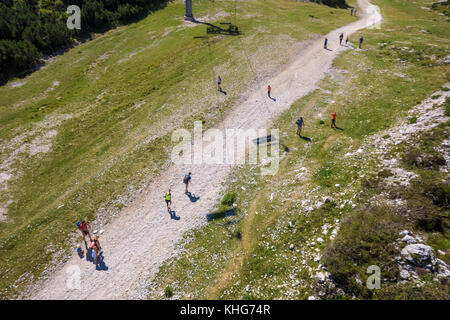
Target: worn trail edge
137	241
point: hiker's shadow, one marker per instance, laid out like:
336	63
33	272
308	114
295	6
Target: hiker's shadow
305	138
224	92
192	197
339	128
273	99
328	49
89	255
173	215
101	266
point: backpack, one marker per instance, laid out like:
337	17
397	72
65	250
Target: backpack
186	179
79	225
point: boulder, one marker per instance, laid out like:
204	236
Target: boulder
418	254
409	240
321	277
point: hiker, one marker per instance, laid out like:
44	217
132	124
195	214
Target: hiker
80	251
84	228
268	91
351	11
346	40
325	43
361	41
333	120
95	246
341	37
355	12
168	198
219	81
186	180
299	123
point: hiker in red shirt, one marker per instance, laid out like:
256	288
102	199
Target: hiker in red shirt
84	228
268	91
333	120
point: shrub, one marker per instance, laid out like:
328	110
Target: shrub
427	203
411	291
168	292
447	107
365	238
229	199
412	120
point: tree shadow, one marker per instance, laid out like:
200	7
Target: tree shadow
215	29
305	138
192	197
220	214
173	215
265	139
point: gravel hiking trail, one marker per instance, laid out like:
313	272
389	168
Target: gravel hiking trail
144	234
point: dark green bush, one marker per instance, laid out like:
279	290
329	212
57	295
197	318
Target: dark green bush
168	292
229	199
365	238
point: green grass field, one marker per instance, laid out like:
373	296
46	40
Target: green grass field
82	135
248	255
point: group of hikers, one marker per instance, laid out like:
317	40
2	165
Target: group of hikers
341	38
300	123
94	249
168	195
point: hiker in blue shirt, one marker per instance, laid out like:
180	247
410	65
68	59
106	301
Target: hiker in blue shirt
299	123
325	43
361	41
186	180
351	11
341	37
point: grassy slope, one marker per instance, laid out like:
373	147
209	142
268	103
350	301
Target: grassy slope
121	95
247	255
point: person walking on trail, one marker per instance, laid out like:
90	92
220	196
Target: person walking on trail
346	40
95	246
219	81
325	43
269	88
84	228
355	12
168	198
300	122
186	180
361	41
333	120
341	37
351	11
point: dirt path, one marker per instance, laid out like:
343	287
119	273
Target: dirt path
143	236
